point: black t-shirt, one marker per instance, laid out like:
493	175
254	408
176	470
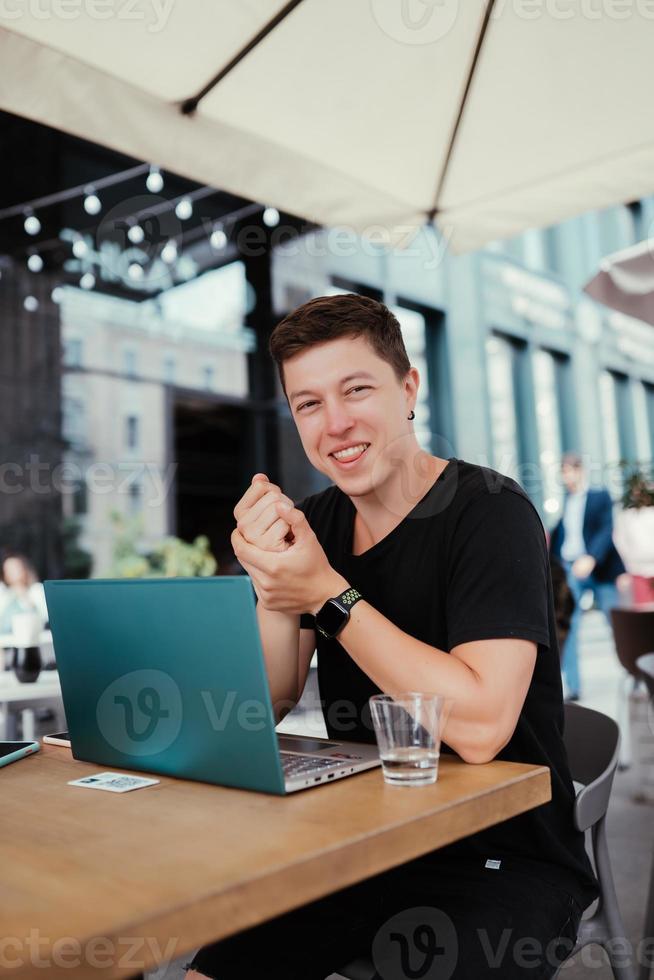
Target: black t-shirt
469	562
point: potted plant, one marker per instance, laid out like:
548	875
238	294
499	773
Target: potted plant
169	558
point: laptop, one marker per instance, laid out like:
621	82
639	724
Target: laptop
168	676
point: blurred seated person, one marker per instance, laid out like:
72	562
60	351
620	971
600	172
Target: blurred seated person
564	601
21	591
634	538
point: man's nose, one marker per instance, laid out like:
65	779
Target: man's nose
338	418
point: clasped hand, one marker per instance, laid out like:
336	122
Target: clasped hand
276	546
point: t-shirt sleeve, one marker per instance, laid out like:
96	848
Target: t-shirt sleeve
498	572
307	620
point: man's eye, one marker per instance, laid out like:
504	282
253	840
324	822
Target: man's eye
348	392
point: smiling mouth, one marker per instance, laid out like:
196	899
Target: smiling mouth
351	457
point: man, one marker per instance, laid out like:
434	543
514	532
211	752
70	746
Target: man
450	567
583	542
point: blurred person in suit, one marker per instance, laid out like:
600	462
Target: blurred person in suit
583	542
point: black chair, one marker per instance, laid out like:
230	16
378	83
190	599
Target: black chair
592	741
646	666
633	633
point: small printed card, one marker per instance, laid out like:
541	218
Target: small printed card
113	782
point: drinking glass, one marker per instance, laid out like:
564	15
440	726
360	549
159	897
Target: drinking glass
408	729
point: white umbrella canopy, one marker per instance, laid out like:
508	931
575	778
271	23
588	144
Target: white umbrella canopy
625	281
485	117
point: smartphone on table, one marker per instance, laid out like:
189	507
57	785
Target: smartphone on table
13	751
60	738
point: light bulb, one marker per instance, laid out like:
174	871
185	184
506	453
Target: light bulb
135	234
92	203
32	225
57	294
87	281
169	251
271	217
80	248
35	263
218	238
154	181
135	271
31	304
184	209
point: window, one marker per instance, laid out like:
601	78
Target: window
80	497
73	420
502	395
642	421
130	363
132	432
412	325
72	352
135	498
549	428
635	221
169	369
609	416
649	398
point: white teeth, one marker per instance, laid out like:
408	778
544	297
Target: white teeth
352	451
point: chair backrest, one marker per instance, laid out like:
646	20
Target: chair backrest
633	632
592	742
645	665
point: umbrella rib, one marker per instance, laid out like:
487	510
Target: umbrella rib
462	104
189	106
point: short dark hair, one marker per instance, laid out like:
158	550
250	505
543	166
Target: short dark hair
331	317
572	458
17	556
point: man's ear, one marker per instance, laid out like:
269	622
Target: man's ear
412	381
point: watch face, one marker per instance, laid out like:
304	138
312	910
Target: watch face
331	617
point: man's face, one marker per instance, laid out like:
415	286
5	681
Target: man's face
352	398
572	477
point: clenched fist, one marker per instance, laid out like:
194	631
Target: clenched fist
257	518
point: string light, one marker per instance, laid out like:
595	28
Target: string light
135	234
169	251
31	304
154	181
32	225
218	238
271	217
57	294
34	262
87	281
92	203
80	248
135	271
184	209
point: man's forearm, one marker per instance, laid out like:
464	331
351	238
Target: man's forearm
396	662
280	638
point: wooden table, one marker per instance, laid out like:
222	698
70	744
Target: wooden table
160	871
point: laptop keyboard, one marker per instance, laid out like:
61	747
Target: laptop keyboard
297	765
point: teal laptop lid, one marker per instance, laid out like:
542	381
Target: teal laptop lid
166	676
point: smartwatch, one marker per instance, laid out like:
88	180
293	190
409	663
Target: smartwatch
332	617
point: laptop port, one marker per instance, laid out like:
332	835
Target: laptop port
330	776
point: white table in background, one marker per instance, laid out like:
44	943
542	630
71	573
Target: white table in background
13	691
